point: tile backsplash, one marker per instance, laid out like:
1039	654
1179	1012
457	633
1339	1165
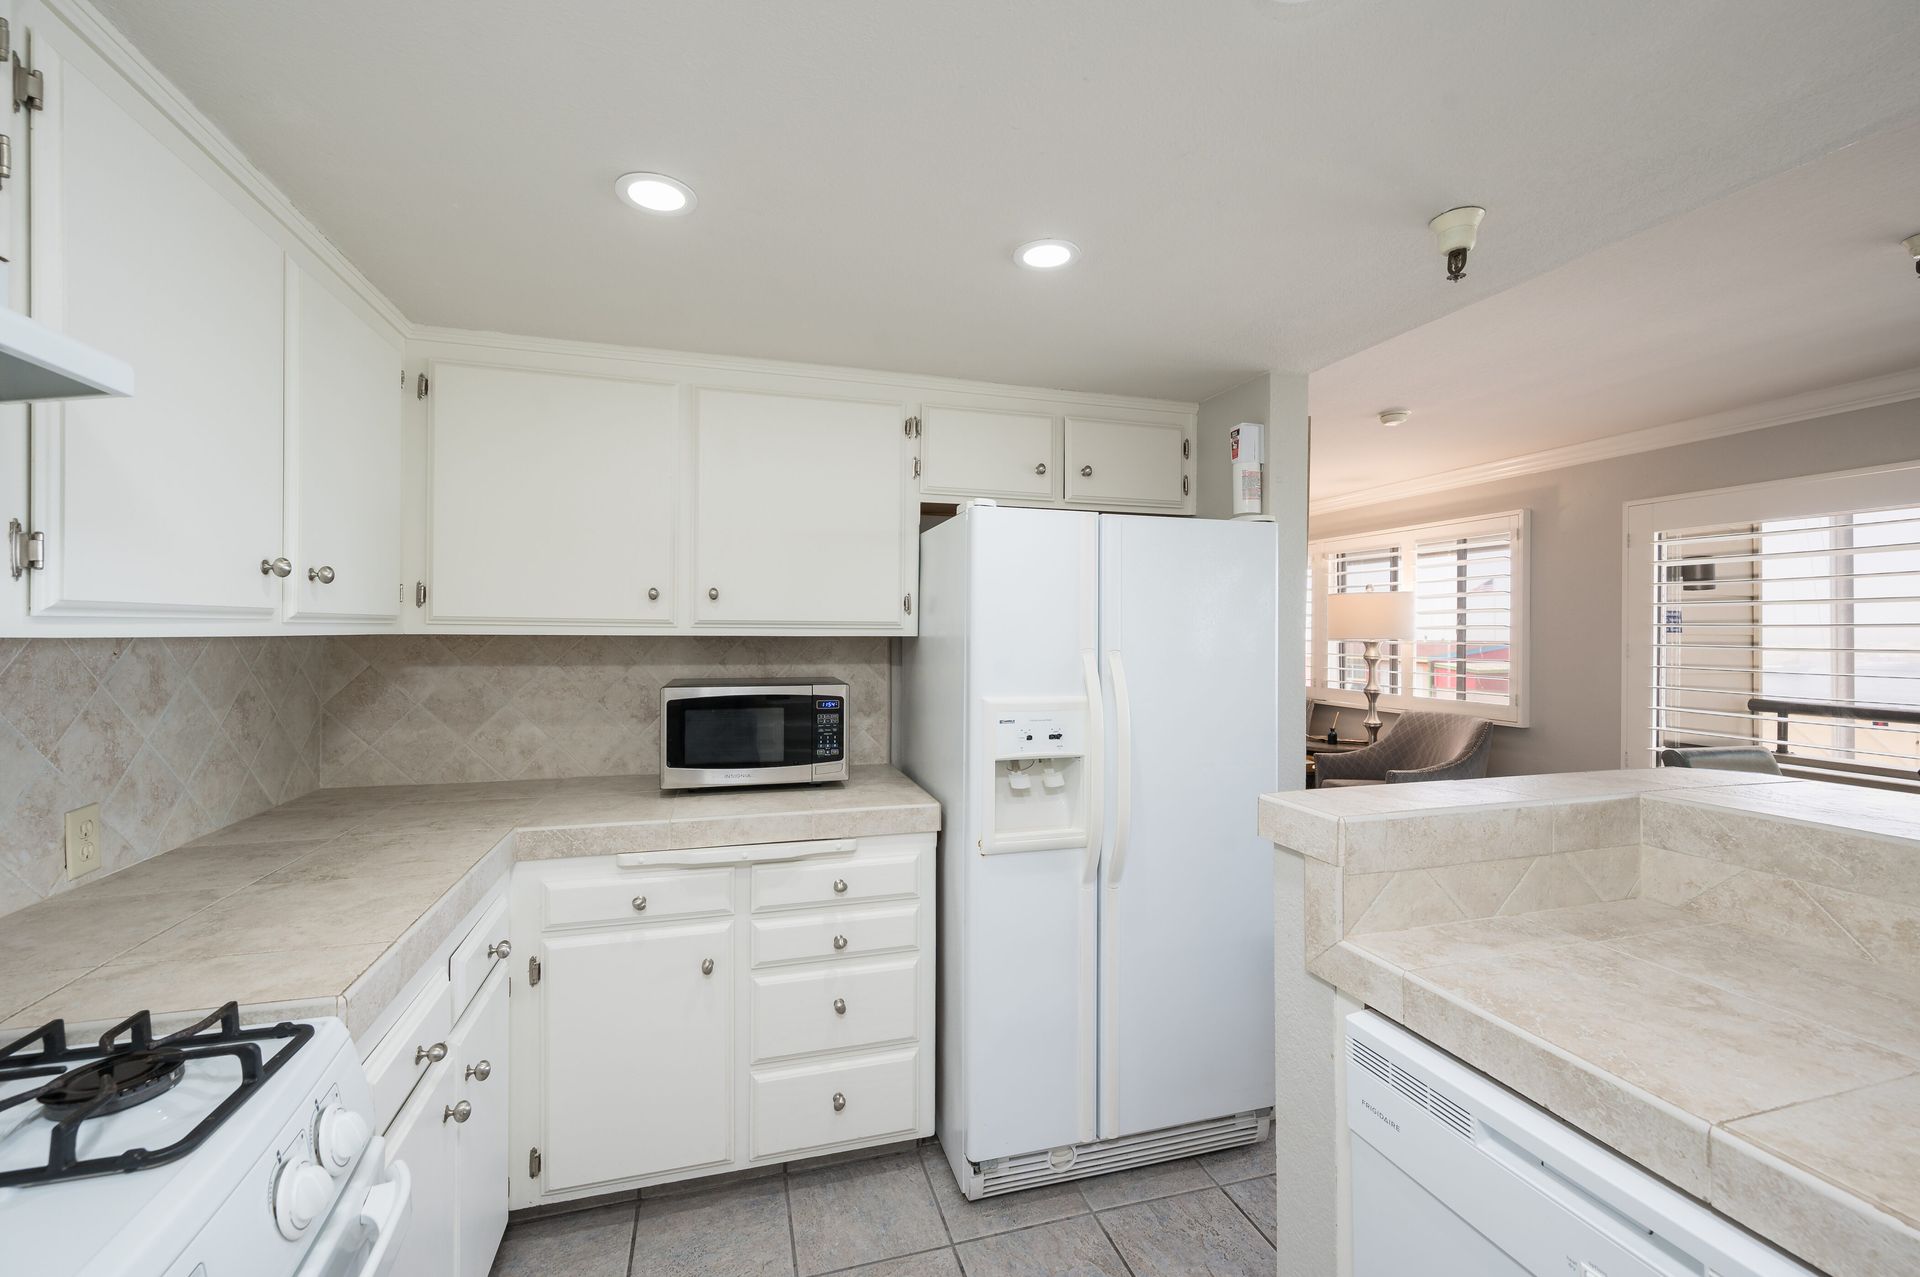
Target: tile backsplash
406	709
172	737
177	737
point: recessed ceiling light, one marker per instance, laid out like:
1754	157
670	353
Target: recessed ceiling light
1046	254
1395	417
654	192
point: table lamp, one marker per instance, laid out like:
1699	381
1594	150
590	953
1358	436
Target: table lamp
1371	618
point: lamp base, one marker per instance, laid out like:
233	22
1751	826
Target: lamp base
1372	722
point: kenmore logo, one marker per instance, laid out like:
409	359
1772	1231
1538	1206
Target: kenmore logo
1377	1113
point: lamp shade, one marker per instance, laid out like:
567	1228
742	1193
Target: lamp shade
1382	614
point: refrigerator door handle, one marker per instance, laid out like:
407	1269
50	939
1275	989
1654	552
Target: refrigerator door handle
1122	767
1095	763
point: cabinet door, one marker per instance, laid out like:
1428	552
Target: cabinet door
971	452
478	1050
554	497
806	516
1128	464
637	1052
343	444
164	504
423	1138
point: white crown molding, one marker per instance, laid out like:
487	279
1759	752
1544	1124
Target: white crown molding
459	340
110	44
1871	393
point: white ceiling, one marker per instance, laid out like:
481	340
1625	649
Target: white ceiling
1795	284
1250	181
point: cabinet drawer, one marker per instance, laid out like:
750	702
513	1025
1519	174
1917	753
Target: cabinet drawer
636	897
836	882
835	933
403	1056
836	1008
474	956
793	1109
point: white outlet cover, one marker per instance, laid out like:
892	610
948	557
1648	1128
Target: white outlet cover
83	841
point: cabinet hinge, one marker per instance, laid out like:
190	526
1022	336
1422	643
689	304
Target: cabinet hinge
533	1163
916	467
6	39
533	972
29	87
913	427
419	593
6	158
420	385
1186	486
906	603
1186	449
25	550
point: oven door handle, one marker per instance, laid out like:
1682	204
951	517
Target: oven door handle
385	1213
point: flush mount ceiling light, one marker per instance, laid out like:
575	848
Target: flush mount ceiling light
655	193
1395	417
1046	254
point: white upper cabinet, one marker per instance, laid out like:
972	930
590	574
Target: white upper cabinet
553	497
975	452
343	452
162	505
1124	465
805	514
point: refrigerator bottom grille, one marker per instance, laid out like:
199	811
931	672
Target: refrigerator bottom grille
1102	1157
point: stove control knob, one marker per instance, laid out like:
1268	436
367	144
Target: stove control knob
338	1136
301	1193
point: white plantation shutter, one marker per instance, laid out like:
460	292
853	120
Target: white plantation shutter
1463	610
1800	634
1469	582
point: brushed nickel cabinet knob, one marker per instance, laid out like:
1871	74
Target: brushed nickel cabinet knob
839	886
281	567
458	1112
839	1101
322	575
1041	468
706	966
839	942
429	1054
480	1072
839	1006
713	592
1086	472
653	595
639	904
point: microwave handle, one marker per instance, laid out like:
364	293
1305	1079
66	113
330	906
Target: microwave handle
768	853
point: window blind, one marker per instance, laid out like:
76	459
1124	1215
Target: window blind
1356	572
1463	615
1799	635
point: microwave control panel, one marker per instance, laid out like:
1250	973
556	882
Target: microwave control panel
829	714
1040	733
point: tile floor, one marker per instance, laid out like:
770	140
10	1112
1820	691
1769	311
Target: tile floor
900	1215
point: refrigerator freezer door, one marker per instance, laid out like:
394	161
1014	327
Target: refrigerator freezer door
1188	633
1020	933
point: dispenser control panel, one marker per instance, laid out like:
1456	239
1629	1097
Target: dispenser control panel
1039	734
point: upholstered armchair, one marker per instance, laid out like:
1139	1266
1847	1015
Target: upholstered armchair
1420	747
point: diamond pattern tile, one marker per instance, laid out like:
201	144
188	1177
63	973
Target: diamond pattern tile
172	737
421	709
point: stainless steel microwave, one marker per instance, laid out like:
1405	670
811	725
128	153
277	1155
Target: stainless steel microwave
752	731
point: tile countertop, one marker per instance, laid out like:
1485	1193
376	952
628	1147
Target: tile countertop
1716	974
328	904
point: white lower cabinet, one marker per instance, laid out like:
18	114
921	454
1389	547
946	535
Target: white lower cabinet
477	1057
709	1010
637	1026
440	1079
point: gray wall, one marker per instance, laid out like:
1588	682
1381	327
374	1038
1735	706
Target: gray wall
1577	557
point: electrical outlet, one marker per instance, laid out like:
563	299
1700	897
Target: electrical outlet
83	841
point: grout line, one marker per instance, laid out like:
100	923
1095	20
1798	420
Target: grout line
1113	1245
892	1259
633	1238
926	1177
786	1195
1235	1202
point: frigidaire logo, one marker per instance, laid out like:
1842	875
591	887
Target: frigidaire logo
1377	1113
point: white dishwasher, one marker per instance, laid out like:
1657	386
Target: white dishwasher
1454	1176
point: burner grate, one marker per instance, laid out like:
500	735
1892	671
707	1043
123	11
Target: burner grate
128	1067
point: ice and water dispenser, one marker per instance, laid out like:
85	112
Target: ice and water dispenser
1040	775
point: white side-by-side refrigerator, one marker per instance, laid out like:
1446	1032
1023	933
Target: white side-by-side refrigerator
1093	700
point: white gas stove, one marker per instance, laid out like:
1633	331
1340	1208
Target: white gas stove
217	1151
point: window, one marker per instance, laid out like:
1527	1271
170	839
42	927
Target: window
1469	584
1785	616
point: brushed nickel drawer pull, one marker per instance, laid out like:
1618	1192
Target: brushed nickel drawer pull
706	966
839	1101
839	886
839	1006
639	904
839	942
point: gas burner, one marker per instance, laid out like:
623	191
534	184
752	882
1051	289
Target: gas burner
114	1084
128	1067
